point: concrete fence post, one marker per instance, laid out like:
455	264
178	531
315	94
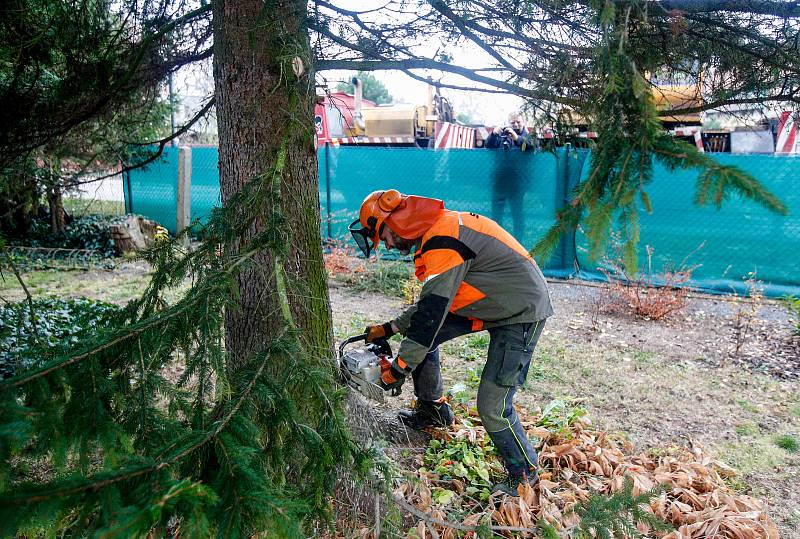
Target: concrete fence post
183	212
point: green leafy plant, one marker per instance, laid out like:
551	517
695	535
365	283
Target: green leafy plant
32	259
474	464
474	376
34	332
88	232
460	393
560	414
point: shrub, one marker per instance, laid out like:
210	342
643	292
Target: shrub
57	325
646	294
89	232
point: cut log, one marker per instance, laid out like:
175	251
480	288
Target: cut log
133	234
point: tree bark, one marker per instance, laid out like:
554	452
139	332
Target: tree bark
58	220
265	99
264	110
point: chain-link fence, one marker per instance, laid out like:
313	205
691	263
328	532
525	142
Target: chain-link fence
523	191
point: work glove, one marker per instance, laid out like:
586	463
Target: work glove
380	332
392	377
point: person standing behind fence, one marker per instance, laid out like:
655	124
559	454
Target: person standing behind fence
510	178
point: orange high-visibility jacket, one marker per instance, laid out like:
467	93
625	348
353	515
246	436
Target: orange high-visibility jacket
471	267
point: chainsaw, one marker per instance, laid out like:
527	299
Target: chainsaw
360	368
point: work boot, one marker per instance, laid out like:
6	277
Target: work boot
509	483
428	414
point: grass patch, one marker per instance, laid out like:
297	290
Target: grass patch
747	406
387	277
795	410
354	325
643	357
787	442
747	429
80	206
113	286
751	456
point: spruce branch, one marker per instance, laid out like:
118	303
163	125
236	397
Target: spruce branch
618	515
621	170
188	444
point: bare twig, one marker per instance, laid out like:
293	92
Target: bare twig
28	296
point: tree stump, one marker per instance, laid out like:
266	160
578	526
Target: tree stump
133	234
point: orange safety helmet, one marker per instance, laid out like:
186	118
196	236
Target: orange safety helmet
408	216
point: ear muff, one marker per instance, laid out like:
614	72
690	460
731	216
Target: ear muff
389	200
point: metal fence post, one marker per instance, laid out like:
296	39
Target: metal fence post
184	199
328	189
127	191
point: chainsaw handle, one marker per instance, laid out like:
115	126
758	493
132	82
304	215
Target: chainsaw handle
349	340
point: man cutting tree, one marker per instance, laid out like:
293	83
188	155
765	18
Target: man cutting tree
475	276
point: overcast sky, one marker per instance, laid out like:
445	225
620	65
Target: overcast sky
486	108
194	85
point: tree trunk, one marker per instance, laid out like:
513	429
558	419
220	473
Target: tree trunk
264	100
264	109
55	200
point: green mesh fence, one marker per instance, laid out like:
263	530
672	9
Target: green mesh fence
726	245
740	241
152	191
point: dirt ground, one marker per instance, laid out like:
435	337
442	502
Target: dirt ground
723	372
656	384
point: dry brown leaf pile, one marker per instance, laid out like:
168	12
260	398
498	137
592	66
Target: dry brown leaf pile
696	500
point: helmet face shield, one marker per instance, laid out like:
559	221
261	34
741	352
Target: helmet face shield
361	236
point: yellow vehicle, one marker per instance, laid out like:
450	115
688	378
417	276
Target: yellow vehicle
399	124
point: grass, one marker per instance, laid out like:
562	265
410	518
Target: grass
388	277
795	410
80	206
657	406
752	456
747	406
787	442
747	429
115	286
643	357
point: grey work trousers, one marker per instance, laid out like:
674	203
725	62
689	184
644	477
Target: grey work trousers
507	363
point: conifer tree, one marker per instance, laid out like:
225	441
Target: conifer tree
99	438
245	439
